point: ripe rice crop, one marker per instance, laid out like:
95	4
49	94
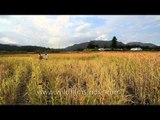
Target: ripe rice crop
102	78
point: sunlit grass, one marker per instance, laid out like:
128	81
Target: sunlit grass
106	78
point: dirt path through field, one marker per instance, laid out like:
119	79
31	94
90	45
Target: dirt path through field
22	96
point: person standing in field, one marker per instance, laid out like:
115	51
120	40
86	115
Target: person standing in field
40	56
46	56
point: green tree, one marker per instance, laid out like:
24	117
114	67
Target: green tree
91	45
114	43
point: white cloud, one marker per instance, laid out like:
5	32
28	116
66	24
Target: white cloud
6	40
52	26
20	29
61	30
102	37
83	27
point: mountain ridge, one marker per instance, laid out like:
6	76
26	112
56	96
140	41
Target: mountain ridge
27	48
104	43
142	44
75	47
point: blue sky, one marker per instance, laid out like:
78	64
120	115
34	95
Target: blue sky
59	31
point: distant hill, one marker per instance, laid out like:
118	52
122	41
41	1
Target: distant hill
17	48
141	44
77	46
100	44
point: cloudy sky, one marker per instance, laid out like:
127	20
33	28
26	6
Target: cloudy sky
57	31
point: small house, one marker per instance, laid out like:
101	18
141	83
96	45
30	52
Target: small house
101	49
136	49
